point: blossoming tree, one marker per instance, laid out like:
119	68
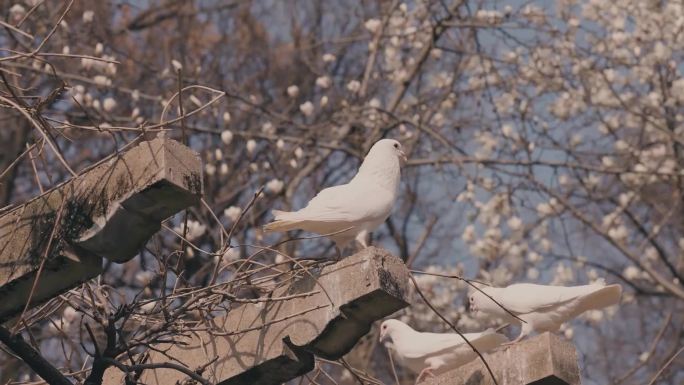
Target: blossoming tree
544	141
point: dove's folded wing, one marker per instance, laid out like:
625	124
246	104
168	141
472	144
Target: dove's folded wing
526	298
429	344
344	203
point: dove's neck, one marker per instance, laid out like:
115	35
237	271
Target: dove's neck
381	169
404	337
491	307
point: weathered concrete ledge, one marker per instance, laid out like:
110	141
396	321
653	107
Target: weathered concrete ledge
109	211
346	298
545	359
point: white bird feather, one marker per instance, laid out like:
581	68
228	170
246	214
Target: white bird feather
354	209
435	353
543	307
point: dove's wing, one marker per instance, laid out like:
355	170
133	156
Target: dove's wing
460	355
425	345
526	298
348	203
332	204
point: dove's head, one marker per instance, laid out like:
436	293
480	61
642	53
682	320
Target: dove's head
388	147
390	328
478	301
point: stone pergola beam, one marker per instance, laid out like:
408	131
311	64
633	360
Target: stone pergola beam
276	342
545	359
108	211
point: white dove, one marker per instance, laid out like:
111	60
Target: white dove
435	353
542	307
354	209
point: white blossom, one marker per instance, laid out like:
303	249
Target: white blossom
268	128
17	12
372	25
544	209
279	259
209	169
275	186
468	234
195	229
102	80
307	108
323	82
514	223
618	233
534	257
661	51
88	16
354	86
109	104
232	213
143	277
195	100
329	58
226	136
532	274
231	255
177	66
292	91
251	146
631	272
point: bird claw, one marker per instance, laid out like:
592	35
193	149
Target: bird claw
424	373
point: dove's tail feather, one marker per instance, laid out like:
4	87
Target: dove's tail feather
283	221
600	298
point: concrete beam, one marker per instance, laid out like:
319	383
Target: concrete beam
545	359
274	343
109	211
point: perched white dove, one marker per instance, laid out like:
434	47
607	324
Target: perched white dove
354	209
542	307
430	354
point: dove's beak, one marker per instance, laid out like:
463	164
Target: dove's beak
383	336
471	306
403	157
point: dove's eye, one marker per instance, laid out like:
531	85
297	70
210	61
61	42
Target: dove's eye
396	145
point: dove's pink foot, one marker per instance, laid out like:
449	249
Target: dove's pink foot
424	373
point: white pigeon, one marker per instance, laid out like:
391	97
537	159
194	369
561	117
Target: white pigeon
542	307
435	353
351	210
